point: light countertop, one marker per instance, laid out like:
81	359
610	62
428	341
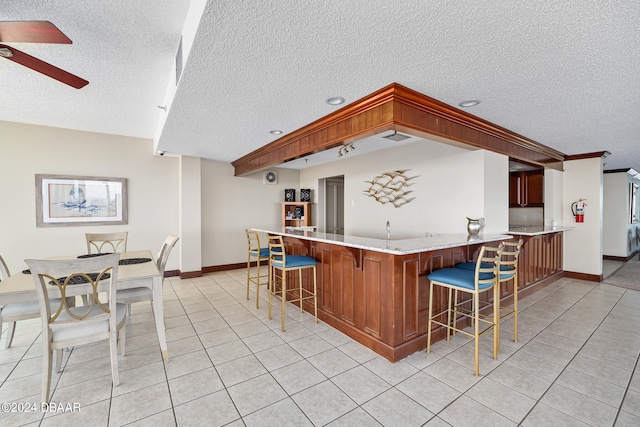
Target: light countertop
534	230
429	241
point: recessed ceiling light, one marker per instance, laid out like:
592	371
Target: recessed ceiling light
275	132
335	100
5	52
469	103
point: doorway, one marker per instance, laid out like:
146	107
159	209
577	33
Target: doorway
334	204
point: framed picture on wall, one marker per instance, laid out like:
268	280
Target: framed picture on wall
64	200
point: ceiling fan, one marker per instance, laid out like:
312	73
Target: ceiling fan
36	32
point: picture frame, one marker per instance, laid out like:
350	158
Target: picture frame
67	200
305	194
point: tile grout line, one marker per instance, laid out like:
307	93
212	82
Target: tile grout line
633	373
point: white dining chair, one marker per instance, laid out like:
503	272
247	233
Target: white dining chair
100	243
72	326
11	313
106	242
143	293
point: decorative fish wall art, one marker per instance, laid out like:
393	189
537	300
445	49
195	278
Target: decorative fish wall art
391	188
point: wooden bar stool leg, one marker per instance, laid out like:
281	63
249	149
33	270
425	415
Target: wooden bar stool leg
497	302
300	287
248	273
476	338
284	295
429	317
455	311
515	307
271	288
449	316
257	284
496	318
315	294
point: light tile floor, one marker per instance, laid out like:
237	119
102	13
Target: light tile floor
576	364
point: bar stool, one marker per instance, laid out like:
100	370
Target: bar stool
259	254
508	271
280	262
482	279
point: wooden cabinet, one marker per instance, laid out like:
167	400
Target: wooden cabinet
526	189
540	258
296	214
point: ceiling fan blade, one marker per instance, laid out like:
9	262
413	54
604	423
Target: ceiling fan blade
31	32
42	67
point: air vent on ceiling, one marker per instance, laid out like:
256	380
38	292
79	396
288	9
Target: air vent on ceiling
395	136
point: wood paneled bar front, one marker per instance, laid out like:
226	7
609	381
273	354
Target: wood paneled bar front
376	291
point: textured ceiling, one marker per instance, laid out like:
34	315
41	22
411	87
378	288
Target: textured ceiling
566	74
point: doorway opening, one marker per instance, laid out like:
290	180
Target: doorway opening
333	201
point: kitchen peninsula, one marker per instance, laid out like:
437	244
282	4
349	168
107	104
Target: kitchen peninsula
376	290
541	254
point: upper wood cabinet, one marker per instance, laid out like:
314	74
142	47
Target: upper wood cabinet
526	189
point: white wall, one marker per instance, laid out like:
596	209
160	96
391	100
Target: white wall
28	150
553	203
230	204
496	192
619	236
190	214
446	189
583	244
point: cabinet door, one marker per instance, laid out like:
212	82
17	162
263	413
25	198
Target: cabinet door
534	188
526	189
515	190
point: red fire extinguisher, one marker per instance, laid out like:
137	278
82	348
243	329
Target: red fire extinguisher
578	209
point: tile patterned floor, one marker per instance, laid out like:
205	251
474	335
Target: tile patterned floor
576	364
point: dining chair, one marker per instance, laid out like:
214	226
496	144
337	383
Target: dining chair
11	313
67	326
508	272
106	242
482	279
144	293
279	265
99	243
257	254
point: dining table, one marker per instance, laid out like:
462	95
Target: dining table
136	269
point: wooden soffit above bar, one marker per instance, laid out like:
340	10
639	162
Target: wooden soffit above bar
396	107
